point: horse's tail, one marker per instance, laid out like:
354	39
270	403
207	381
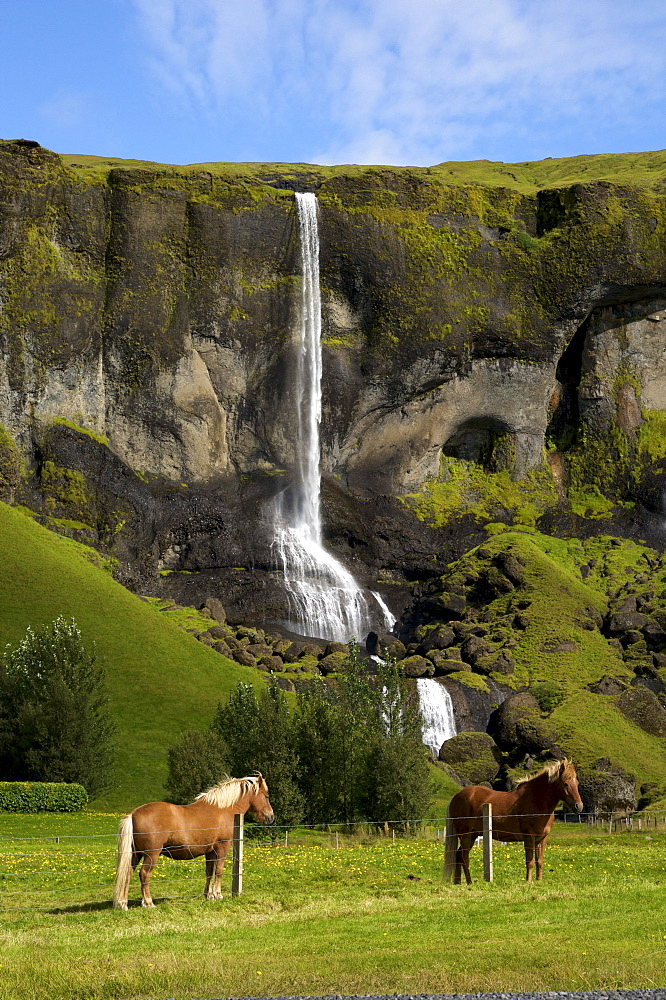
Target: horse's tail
123	862
451	846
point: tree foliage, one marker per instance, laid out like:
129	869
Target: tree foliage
345	754
55	723
257	732
196	762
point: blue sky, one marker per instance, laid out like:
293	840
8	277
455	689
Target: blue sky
334	81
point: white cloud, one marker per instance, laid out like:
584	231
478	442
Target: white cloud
411	81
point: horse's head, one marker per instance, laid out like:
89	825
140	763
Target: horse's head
260	806
567	785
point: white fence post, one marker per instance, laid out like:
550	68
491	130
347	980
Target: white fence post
487	842
237	864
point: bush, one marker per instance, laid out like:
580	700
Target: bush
548	695
54	720
41	796
196	762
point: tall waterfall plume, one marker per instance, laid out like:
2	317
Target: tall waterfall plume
325	599
437	716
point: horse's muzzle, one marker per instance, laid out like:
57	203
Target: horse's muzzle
578	806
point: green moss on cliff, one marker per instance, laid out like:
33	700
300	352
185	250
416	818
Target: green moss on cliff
66	489
465	487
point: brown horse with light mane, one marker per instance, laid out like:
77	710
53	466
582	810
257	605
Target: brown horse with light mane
527	813
204	828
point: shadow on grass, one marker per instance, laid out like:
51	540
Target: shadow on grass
104	905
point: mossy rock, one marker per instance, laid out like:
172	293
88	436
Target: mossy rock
307	664
642	707
606	787
10	465
416	666
473	757
519	729
332	663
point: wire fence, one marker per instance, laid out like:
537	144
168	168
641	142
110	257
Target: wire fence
67	871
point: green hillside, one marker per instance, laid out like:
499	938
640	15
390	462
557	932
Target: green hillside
637	169
160	679
551	619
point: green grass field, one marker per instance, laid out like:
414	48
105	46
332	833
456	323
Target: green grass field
640	169
160	679
369	916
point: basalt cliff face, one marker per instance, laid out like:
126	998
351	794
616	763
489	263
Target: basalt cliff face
494	350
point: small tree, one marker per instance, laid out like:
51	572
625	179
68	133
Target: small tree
257	732
398	784
196	762
54	719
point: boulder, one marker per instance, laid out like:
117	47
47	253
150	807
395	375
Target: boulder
218	632
495	663
297	650
244	658
442	662
251	634
511	567
518	728
333	663
216	609
384	644
417	666
285	684
259	649
605	787
336	647
221	647
607	685
272	663
473	648
308	664
444	606
626	621
473	757
438	638
642	707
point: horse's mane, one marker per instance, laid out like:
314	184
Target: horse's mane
226	793
552	769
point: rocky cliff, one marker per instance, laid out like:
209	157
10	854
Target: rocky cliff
494	349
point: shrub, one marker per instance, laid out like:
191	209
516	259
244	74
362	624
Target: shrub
54	720
548	695
196	762
41	796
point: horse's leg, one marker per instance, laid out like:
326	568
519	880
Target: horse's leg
529	855
540	851
146	870
210	876
466	844
222	849
459	865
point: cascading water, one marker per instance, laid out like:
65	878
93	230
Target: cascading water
325	599
436	709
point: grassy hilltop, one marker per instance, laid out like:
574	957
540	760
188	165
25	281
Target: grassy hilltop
160	679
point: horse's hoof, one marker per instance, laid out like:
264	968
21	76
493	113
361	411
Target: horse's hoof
147	903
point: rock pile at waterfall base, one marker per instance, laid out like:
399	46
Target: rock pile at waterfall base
551	646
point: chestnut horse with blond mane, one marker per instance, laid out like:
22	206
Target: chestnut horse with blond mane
527	813
204	828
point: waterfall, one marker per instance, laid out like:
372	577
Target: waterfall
436	710
324	598
389	617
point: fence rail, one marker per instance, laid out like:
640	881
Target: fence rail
37	869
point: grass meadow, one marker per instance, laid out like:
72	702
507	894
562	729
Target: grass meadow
371	915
